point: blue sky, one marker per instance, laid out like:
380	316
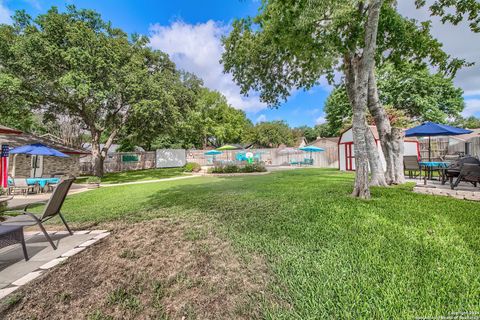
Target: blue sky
190	30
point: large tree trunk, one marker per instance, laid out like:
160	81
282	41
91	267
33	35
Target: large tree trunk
99	154
97	159
377	174
391	139
357	71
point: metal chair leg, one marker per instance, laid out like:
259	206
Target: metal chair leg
24	247
47	236
65	223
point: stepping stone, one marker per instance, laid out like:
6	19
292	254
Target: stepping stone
88	243
5	292
73	252
27	278
102	235
98	231
52	263
81	232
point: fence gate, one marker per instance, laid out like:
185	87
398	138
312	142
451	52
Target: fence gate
169	158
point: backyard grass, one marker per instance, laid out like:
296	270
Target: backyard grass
138	175
400	255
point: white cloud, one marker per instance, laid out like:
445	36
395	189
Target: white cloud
5	14
459	41
320	120
261	118
472	107
313	111
198	49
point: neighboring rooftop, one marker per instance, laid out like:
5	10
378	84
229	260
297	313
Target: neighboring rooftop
18	140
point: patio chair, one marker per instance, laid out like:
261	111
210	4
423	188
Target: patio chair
52	209
20	185
469	173
453	170
410	164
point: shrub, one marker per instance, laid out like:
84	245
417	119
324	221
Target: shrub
192	167
231	168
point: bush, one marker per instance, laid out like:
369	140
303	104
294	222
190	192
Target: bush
231	168
192	167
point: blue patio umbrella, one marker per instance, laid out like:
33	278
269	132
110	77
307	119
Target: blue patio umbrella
213	153
311	149
38	149
432	129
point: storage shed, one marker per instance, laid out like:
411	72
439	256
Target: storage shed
346	149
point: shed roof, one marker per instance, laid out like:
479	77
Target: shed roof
25	138
7	130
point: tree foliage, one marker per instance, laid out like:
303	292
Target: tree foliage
73	63
271	134
421	96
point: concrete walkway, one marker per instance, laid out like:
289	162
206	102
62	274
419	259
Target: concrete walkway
15	271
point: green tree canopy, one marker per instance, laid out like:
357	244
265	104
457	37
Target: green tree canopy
422	96
271	134
74	63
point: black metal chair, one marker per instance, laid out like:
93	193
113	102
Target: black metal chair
51	210
469	173
453	170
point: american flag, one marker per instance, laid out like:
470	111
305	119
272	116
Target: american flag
4	166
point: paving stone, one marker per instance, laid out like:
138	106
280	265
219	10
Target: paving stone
52	263
102	235
88	243
30	233
98	231
81	232
27	278
5	292
62	233
73	252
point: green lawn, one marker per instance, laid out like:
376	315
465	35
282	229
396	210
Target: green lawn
138	175
400	255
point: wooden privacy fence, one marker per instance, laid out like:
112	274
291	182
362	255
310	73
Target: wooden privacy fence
123	161
271	157
441	146
162	158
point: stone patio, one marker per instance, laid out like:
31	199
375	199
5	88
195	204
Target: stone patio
464	190
15	271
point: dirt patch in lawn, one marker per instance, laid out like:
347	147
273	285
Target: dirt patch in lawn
158	269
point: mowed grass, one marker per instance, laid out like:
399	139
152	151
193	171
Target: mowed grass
400	255
137	175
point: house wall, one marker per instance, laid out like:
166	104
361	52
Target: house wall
51	165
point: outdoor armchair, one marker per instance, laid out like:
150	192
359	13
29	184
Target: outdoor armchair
469	173
52	209
453	170
20	185
410	164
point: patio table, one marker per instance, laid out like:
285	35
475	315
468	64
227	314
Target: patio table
10	235
429	166
42	182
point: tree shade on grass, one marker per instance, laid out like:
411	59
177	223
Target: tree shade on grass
400	255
